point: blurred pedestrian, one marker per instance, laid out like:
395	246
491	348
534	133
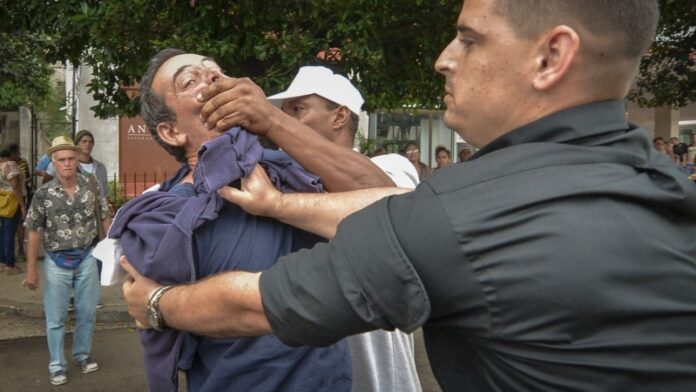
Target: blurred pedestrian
27	190
64	212
464	154
660	144
443	157
412	153
12	209
88	164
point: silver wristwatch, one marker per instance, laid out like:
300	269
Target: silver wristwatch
154	316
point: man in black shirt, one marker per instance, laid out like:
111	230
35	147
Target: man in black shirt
559	257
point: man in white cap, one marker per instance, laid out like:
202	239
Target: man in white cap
331	105
64	211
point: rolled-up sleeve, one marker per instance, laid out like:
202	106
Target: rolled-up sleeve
362	280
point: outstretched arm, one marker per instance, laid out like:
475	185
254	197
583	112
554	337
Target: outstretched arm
224	305
231	101
318	213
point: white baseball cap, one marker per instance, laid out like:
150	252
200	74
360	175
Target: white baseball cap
323	82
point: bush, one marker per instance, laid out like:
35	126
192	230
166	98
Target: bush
117	195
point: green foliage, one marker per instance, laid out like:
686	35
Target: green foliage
668	71
117	195
366	145
387	46
24	71
51	113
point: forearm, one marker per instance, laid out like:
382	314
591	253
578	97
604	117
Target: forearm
341	169
320	213
106	224
224	305
33	242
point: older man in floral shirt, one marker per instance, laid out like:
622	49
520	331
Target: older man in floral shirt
65	210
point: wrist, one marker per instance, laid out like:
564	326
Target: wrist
275	126
154	314
278	206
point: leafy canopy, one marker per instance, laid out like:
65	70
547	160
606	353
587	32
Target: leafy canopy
388	46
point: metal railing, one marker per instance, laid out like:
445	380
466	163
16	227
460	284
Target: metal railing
126	186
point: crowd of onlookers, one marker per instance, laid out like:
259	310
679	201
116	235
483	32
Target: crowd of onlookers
678	151
443	157
684	155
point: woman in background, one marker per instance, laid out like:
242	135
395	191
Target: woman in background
10	187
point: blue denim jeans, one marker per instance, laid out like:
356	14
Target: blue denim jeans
58	286
8	230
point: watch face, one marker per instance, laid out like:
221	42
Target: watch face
152	317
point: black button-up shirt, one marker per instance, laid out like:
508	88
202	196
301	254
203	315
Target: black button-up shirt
560	257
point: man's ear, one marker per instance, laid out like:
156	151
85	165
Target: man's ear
342	117
557	51
170	134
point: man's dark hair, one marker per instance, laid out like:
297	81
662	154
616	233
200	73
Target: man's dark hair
13	148
443	148
153	109
630	23
5	152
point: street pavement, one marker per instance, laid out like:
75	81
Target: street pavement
24	364
15	297
24	355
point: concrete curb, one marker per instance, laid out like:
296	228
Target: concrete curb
106	314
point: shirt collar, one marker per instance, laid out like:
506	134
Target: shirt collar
568	125
81	180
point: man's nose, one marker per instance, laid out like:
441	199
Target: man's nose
211	75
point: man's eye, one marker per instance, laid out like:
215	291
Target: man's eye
465	40
188	83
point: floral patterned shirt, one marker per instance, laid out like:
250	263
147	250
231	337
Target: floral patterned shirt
8	170
66	223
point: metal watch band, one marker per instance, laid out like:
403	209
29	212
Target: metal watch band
153	310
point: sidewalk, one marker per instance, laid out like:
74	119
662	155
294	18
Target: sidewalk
21	300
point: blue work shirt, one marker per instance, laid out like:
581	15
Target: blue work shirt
239	241
185	232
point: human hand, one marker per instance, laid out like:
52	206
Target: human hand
257	195
136	291
32	280
233	101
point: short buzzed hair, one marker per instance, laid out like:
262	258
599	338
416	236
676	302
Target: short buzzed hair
631	23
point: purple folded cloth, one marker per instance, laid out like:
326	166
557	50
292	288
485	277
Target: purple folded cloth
156	228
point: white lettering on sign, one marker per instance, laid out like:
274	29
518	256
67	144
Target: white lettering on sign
140	129
137	132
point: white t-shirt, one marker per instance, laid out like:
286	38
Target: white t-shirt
87	167
398	168
384	361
